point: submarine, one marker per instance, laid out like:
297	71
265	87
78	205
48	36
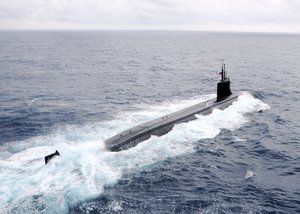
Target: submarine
161	126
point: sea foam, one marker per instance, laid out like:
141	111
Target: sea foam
85	167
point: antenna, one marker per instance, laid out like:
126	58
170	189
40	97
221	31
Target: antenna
223	71
225	76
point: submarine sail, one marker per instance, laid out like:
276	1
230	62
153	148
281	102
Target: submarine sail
161	126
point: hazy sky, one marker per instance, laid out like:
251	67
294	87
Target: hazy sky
219	15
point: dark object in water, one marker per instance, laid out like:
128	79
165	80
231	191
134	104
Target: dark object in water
163	125
49	157
260	111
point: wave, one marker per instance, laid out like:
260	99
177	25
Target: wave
85	167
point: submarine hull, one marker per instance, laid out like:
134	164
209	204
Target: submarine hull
161	126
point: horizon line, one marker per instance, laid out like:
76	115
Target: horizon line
159	30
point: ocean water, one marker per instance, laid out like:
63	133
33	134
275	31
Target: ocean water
71	90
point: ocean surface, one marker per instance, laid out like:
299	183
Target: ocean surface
71	90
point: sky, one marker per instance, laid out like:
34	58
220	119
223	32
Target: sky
195	15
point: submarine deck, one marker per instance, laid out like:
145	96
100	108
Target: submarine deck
160	126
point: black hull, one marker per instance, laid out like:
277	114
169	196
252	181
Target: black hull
163	125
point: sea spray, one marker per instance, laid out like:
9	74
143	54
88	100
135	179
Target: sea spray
85	167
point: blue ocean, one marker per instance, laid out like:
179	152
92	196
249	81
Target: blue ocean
71	90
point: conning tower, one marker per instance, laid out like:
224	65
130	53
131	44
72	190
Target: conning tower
223	88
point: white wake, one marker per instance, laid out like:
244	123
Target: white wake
86	167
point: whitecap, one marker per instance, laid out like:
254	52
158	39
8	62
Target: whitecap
85	167
249	174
